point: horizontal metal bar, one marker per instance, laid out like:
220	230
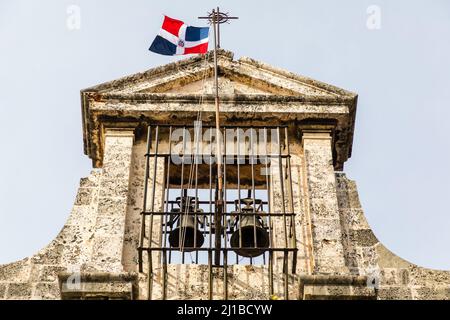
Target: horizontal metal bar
207	201
230	155
199	214
214	249
225	126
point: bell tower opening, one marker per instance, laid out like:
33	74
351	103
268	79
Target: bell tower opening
253	226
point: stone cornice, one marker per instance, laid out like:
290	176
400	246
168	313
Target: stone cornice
242	98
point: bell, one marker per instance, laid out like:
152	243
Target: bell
186	232
248	224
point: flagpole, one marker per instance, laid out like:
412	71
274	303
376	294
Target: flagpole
216	18
218	140
218	146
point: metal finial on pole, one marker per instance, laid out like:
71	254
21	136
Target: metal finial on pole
216	18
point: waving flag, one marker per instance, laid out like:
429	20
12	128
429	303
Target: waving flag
177	38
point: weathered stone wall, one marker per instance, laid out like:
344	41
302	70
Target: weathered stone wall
36	277
393	277
100	238
323	203
91	241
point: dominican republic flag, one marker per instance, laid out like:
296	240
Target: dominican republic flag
177	38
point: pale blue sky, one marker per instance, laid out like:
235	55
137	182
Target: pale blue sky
401	151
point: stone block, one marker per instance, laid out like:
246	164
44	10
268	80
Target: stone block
388	276
352	193
110	226
111	206
89	182
364	291
351	258
394	293
319	187
368	258
330	265
107	254
339	291
117	170
323	208
427	277
18	291
47	291
50	273
3	287
327	248
50	254
80	215
16	272
433	293
326	229
113	188
363	237
84	197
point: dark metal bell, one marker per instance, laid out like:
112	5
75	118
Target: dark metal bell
186	231
248	225
183	235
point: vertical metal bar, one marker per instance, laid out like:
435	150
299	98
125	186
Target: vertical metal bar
152	206
166	190
280	160
225	226
197	135
152	209
164	278
181	229
170	251
268	182
144	205
217	226
291	200
210	191
286	275
210	276
238	218
308	232
255	243
150	274
225	275
285	258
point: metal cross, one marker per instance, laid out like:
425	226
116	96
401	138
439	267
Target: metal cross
216	17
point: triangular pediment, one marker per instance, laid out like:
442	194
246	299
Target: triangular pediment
194	76
207	86
249	90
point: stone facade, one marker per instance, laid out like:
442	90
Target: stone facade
95	255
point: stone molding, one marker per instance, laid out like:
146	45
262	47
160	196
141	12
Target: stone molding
99	285
337	287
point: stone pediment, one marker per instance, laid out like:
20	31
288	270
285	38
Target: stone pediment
243	76
249	91
207	86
